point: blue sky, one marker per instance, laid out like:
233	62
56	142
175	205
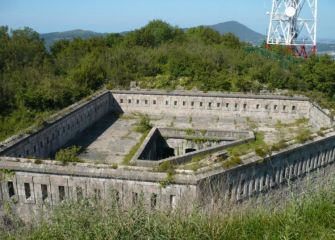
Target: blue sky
122	15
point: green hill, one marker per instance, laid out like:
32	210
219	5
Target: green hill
50	38
243	32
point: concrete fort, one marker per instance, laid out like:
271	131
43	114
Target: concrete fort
31	180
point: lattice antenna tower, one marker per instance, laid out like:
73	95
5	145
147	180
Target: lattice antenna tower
293	23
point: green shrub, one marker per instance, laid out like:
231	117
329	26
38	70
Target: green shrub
279	146
190	131
168	180
165	167
38	161
143	125
304	135
68	155
232	162
262	151
115	166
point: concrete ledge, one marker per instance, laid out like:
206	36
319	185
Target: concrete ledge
246	136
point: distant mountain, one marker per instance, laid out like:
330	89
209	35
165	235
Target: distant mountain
243	32
240	30
50	38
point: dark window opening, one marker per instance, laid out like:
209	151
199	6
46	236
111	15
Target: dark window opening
129	101
236	105
117	196
283	173
61	190
188	150
274	175
154	102
210	104
44	190
79	192
200	104
184	103
135	198
175	103
137	101
218	105
146	102
230	191
192	104
121	100
11	190
244	106
284	108
27	191
153	201
257	106
264	179
293	108
166	102
97	194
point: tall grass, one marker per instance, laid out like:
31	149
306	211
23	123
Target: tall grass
310	216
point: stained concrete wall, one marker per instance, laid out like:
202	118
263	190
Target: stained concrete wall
234	184
59	129
125	186
222	105
251	179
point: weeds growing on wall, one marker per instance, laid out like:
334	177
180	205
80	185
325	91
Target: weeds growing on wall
143	124
68	155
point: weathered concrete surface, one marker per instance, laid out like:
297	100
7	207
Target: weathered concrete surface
109	140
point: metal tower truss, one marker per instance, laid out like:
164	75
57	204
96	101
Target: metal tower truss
293	23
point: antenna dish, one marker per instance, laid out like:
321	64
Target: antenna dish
290	12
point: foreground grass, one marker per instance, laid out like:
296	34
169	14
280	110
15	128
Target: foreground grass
309	217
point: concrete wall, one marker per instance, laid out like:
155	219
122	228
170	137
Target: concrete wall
207	187
251	179
60	129
320	117
223	105
73	182
62	182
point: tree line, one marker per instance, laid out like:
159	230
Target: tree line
35	81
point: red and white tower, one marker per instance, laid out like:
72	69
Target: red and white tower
293	23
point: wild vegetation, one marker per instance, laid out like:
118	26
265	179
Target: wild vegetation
35	82
307	216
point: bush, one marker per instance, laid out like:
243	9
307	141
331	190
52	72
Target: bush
165	167
232	162
68	155
262	151
279	146
143	125
303	136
